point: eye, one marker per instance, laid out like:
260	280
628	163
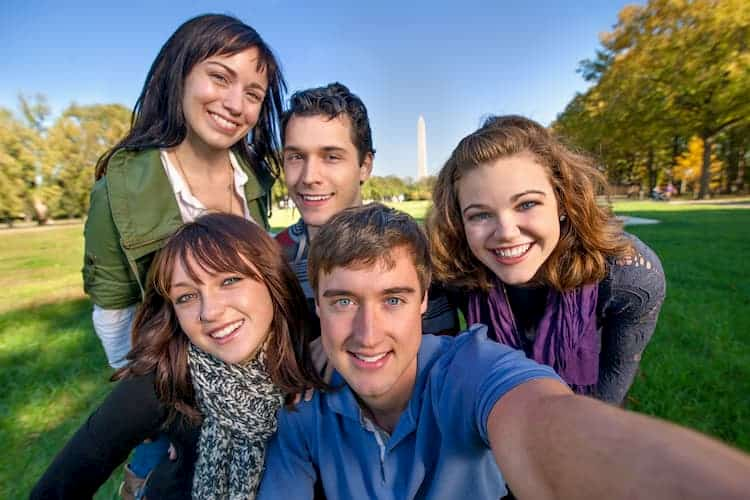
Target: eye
254	97
292	157
184	298
231	280
333	157
343	302
526	205
479	216
219	78
393	301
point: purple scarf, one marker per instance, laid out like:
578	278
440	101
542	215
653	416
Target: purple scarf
567	338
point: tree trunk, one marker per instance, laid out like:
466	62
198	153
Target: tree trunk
741	164
706	169
651	170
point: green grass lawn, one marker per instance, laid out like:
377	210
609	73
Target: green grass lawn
696	371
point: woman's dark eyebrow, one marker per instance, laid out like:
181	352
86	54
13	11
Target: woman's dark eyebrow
233	74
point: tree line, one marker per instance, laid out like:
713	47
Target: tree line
670	97
47	166
669	103
47	170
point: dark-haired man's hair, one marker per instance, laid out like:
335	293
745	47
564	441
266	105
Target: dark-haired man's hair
332	101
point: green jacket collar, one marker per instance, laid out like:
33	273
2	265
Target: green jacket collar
142	201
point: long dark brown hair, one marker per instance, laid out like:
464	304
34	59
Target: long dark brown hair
219	243
588	236
158	120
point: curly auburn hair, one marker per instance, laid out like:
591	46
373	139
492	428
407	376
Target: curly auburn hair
218	243
588	236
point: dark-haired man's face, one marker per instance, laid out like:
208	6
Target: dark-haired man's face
321	167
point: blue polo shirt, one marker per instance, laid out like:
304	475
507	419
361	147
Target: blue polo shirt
439	447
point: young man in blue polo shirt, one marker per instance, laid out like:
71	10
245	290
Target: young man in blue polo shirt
442	417
328	155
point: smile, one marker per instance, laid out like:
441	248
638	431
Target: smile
226	331
374	361
223	122
512	252
511	255
370	359
315	197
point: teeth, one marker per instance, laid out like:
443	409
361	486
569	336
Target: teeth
512	252
370	359
223	122
315	197
226	330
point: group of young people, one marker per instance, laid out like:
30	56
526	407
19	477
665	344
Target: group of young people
217	330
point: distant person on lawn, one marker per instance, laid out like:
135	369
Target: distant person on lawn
422	416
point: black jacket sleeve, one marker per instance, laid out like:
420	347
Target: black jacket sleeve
130	414
630	299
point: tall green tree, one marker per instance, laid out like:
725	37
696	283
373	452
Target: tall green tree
688	60
74	143
16	166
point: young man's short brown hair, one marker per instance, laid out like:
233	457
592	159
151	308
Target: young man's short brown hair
365	235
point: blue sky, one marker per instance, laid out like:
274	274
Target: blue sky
452	62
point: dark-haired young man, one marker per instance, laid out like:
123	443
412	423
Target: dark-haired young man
328	154
420	416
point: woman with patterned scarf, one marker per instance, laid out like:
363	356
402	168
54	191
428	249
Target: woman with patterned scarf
218	347
517	228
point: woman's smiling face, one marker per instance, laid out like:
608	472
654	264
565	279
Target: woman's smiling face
510	216
227	315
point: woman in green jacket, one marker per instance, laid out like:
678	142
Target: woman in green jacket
214	85
204	135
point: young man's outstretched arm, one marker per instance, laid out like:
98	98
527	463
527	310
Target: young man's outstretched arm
550	443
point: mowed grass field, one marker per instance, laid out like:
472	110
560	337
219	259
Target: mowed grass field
695	372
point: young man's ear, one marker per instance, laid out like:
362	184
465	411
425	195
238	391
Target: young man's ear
317	307
365	169
425	300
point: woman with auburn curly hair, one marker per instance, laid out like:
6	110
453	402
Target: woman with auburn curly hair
516	225
218	345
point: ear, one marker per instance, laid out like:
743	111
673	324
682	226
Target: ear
425	301
317	307
366	168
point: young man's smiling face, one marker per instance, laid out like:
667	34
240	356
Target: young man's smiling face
371	327
321	167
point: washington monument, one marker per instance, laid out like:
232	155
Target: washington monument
421	149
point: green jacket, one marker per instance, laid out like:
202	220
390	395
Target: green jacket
132	213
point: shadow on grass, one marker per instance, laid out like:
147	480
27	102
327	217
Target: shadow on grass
53	372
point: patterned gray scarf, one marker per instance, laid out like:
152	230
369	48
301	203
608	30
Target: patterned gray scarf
239	404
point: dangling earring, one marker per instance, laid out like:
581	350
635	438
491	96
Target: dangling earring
563	217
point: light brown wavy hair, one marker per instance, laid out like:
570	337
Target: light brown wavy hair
588	235
219	243
365	235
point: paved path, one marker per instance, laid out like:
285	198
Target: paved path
634	221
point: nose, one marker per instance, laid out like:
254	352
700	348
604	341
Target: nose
211	308
367	329
311	172
506	227
233	99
